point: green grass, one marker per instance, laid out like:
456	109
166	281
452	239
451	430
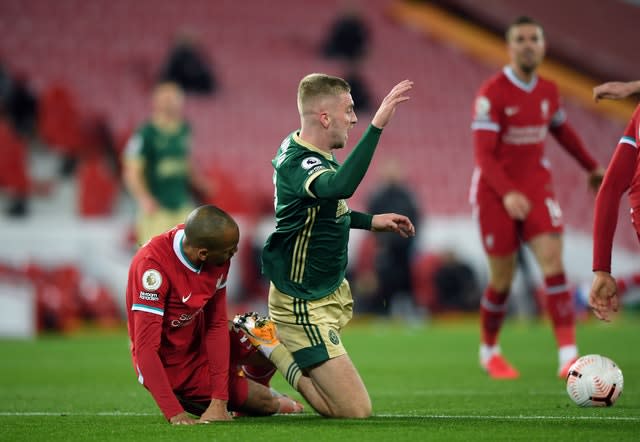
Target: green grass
424	382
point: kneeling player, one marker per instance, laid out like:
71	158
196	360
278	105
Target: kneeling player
181	346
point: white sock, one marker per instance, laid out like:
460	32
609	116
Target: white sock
567	353
486	351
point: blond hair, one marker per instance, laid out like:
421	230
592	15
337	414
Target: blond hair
319	85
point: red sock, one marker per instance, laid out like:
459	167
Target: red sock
260	374
493	307
561	309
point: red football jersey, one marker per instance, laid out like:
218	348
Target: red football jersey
622	174
519	115
177	320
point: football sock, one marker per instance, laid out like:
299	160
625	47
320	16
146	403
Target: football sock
283	360
260	374
493	307
561	310
486	351
567	353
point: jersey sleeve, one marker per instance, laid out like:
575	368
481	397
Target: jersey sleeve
135	147
343	182
567	136
299	171
150	288
486	127
217	344
616	181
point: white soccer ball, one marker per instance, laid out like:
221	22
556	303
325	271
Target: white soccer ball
594	381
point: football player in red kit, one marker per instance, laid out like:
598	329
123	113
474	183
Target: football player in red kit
512	190
183	350
623	174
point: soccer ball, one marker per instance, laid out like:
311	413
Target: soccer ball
594	381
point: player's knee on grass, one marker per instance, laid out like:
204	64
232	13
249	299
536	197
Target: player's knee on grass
359	410
260	401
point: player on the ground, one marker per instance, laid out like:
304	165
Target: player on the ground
512	191
182	348
306	257
623	174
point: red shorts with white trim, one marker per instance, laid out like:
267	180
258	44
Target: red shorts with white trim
502	235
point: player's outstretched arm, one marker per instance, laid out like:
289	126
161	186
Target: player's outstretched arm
615	90
392	222
603	297
388	106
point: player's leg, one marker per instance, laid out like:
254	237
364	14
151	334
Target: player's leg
547	248
493	308
333	388
311	331
248	363
500	242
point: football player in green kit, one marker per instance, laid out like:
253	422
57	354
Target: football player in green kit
306	257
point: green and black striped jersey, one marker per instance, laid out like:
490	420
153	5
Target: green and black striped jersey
306	256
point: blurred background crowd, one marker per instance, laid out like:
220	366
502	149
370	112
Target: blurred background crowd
78	79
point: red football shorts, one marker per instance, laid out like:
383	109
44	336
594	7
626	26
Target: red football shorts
195	393
502	235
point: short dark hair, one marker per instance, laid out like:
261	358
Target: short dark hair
206	225
522	20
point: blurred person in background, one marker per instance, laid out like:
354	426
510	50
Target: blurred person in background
623	175
188	67
348	41
512	192
156	168
394	254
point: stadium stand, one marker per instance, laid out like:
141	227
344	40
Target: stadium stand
108	53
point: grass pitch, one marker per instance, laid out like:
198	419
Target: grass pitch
424	382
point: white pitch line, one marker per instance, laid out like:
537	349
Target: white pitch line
520	417
390	416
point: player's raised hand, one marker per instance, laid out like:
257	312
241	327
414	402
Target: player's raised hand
603	297
216	411
615	90
595	179
182	419
516	204
388	106
392	222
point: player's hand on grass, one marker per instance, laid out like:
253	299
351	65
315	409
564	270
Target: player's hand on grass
516	204
183	419
388	106
615	90
603	297
217	411
392	222
595	179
